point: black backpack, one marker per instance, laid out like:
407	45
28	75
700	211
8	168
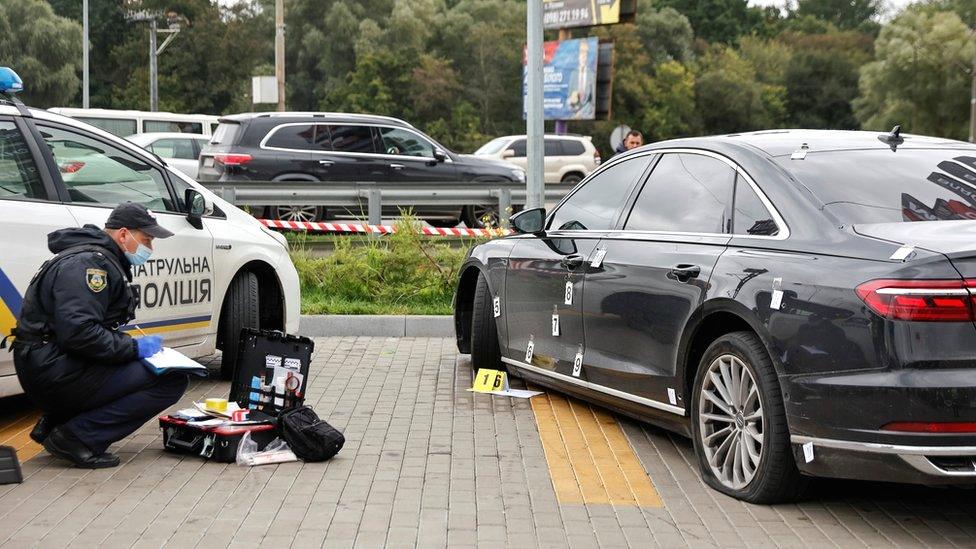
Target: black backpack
308	436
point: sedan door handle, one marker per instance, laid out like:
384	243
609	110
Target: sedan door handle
684	272
397	166
326	163
571	262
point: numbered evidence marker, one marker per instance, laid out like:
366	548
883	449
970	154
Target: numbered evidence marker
487	381
529	349
496	304
578	362
568	298
776	300
598	258
555	322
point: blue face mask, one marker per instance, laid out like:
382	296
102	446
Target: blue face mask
140	256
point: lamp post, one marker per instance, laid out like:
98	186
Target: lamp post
173	28
84	55
535	124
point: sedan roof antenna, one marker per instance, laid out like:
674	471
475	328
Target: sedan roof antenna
892	138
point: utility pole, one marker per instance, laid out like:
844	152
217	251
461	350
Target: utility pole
153	69
972	103
84	55
535	124
280	52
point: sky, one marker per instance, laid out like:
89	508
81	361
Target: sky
893	5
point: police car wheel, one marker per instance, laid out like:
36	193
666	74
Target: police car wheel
485	352
240	310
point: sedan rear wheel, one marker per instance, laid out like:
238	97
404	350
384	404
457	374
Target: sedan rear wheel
485	350
741	437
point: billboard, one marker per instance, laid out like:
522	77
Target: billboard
564	14
569	77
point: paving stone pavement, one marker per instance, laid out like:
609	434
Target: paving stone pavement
428	464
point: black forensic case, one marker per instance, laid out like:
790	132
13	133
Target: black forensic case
218	443
258	352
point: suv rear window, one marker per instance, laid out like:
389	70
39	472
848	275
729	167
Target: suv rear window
881	186
571	147
225	133
295	137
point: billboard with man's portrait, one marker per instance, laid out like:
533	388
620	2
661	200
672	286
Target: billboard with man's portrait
569	79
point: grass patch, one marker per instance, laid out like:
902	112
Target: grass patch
401	273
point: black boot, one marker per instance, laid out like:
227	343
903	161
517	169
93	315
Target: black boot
64	444
42	429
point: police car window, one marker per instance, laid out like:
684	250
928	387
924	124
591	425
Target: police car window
165	126
597	203
402	142
297	137
685	193
174	148
98	173
19	177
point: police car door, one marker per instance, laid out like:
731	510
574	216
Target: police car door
174	289
28	212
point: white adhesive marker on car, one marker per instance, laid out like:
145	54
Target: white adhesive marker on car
777	298
555	322
496	304
672	396
808	452
598	258
568	298
901	254
529	350
578	362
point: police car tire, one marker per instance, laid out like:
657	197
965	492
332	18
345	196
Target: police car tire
241	310
485	352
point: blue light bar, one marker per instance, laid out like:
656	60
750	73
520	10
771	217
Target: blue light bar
9	81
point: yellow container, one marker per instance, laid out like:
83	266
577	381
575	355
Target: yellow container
216	404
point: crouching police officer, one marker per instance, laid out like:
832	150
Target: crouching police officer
70	356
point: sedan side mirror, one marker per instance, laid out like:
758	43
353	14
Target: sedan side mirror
529	221
508	153
197	206
440	155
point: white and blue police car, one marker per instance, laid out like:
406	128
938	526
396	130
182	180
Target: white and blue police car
221	272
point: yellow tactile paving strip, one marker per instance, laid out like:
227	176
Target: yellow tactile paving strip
14	432
590	459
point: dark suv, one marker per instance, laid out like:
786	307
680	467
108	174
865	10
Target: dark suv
344	147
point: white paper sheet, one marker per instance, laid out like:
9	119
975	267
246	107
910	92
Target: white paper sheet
168	358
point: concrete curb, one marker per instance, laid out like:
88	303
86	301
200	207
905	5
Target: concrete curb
377	325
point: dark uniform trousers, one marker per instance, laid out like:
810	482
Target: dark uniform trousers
129	398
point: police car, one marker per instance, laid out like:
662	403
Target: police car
221	272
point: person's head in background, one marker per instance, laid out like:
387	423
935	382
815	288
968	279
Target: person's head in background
633	140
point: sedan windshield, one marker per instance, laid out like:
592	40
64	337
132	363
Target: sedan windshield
881	186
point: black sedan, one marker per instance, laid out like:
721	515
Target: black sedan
799	303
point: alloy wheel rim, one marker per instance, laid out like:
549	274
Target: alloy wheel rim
486	216
730	422
296	213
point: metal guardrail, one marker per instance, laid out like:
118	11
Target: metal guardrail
374	195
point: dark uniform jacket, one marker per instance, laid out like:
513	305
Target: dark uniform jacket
67	340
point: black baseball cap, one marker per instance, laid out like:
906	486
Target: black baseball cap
135	216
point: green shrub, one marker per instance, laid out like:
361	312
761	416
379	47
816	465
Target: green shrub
402	273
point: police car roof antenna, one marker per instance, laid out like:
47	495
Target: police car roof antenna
893	138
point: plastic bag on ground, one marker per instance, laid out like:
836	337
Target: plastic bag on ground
276	451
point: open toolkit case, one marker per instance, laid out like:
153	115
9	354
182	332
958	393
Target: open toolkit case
271	375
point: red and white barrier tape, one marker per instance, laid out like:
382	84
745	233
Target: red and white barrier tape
313	226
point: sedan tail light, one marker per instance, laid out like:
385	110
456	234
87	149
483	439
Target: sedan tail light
232	159
931	427
920	300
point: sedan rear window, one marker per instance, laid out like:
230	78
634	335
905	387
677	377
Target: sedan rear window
881	186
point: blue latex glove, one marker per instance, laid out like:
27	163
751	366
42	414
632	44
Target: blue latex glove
149	345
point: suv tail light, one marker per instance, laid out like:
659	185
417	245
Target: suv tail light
596	158
232	159
920	300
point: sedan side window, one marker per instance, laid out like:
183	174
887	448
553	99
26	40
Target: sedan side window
98	173
687	193
596	204
403	142
19	177
174	148
750	215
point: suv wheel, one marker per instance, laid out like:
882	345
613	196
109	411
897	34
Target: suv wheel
571	179
739	423
298	213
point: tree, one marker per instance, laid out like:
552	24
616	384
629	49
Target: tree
729	97
845	14
43	48
719	20
920	78
665	33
